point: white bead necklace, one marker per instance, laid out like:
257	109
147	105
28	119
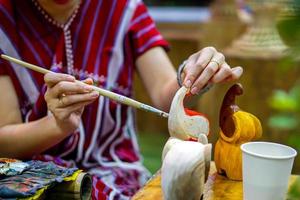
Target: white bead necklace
67	33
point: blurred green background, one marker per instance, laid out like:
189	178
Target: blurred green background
151	148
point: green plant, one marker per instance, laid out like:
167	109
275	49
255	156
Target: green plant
287	104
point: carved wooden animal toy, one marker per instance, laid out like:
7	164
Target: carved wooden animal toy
183	123
237	127
186	155
184	170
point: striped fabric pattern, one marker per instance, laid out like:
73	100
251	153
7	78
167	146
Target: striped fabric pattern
107	37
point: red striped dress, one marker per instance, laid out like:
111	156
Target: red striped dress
101	40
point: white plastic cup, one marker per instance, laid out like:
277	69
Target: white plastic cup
266	170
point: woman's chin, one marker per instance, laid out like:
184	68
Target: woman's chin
61	2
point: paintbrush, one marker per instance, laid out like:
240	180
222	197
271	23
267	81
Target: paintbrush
111	95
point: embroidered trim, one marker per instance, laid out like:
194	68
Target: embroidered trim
100	80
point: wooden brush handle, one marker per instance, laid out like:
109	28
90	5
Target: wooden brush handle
111	95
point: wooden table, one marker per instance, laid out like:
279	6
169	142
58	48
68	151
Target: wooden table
217	187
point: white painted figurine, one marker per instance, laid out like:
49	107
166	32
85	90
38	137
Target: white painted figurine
187	154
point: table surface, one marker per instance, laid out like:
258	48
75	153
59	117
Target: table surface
217	187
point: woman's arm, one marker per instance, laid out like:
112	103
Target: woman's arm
203	67
23	140
19	140
158	76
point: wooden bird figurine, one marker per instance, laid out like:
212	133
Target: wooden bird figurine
186	124
186	155
237	127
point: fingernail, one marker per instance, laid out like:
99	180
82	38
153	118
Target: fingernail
88	88
188	83
94	94
70	78
239	71
194	90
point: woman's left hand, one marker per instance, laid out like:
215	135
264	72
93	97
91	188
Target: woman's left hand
208	66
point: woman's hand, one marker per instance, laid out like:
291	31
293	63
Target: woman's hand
208	66
66	99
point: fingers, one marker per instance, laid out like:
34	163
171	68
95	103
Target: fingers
208	66
63	91
236	73
69	100
196	65
66	99
88	81
66	84
223	73
64	113
73	99
52	79
64	87
218	59
210	70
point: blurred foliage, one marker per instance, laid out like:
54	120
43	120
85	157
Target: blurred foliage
287	103
151	146
294	192
289	28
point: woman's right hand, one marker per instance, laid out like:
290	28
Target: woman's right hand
66	99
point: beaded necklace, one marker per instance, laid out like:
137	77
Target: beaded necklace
66	30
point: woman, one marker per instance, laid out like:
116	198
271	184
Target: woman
54	118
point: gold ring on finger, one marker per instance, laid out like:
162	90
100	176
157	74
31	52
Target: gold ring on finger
60	99
218	64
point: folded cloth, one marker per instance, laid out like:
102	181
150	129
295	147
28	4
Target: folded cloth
38	175
10	167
